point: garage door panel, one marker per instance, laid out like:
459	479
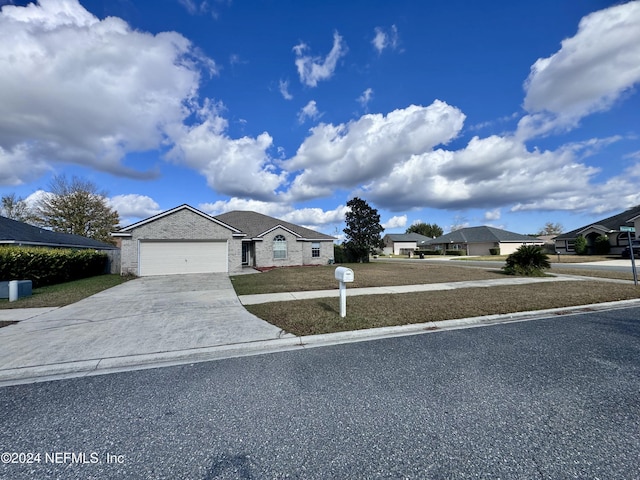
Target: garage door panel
171	257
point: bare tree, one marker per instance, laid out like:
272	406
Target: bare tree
459	222
551	229
15	208
77	207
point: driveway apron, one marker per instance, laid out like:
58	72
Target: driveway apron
143	316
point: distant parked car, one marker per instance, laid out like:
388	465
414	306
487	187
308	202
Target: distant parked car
626	253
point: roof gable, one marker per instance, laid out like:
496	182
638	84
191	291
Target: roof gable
606	225
127	230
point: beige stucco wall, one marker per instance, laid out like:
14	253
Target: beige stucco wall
180	225
398	245
480	248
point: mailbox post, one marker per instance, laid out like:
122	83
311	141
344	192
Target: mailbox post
343	275
629	231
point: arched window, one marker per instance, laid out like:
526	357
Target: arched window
279	247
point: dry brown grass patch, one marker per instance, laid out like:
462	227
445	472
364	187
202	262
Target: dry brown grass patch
309	317
366	275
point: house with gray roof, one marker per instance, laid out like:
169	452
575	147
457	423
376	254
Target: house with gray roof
480	240
402	243
13	232
614	227
186	240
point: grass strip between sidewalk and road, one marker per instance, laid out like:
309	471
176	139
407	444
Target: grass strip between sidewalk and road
310	317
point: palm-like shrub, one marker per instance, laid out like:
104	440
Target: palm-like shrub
529	260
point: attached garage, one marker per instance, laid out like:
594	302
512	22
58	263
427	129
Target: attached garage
164	257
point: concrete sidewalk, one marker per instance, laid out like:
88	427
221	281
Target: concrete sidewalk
430	287
156	321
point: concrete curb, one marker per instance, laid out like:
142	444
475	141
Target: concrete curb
103	366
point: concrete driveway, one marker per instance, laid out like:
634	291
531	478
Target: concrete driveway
142	321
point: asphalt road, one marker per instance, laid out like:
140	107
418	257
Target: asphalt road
552	398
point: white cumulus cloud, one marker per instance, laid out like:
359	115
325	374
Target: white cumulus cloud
232	166
284	89
395	222
310	217
366	97
222	206
76	89
348	154
592	70
134	206
385	39
487	173
313	69
309	112
492	215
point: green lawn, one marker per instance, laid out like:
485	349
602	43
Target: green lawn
374	274
308	317
65	293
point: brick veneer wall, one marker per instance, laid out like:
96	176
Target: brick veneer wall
298	252
180	225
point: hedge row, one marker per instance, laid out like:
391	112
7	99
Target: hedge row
49	266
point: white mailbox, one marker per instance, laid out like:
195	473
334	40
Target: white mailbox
344	274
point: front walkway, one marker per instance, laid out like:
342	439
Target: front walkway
431	287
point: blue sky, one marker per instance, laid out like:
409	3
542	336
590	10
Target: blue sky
503	113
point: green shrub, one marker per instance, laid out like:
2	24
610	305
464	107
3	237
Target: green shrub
455	252
602	245
528	260
44	266
580	245
494	251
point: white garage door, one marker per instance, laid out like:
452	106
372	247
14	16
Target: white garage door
171	257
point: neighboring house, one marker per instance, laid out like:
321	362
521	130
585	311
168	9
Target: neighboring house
479	241
186	240
402	243
17	233
613	227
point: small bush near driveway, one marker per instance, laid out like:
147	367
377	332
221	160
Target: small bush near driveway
528	260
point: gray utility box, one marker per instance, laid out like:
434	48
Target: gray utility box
344	274
15	289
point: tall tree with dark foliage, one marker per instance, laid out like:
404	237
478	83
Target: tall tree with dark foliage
363	230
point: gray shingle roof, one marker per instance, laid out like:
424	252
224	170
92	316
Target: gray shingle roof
608	224
406	237
481	234
13	232
255	224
